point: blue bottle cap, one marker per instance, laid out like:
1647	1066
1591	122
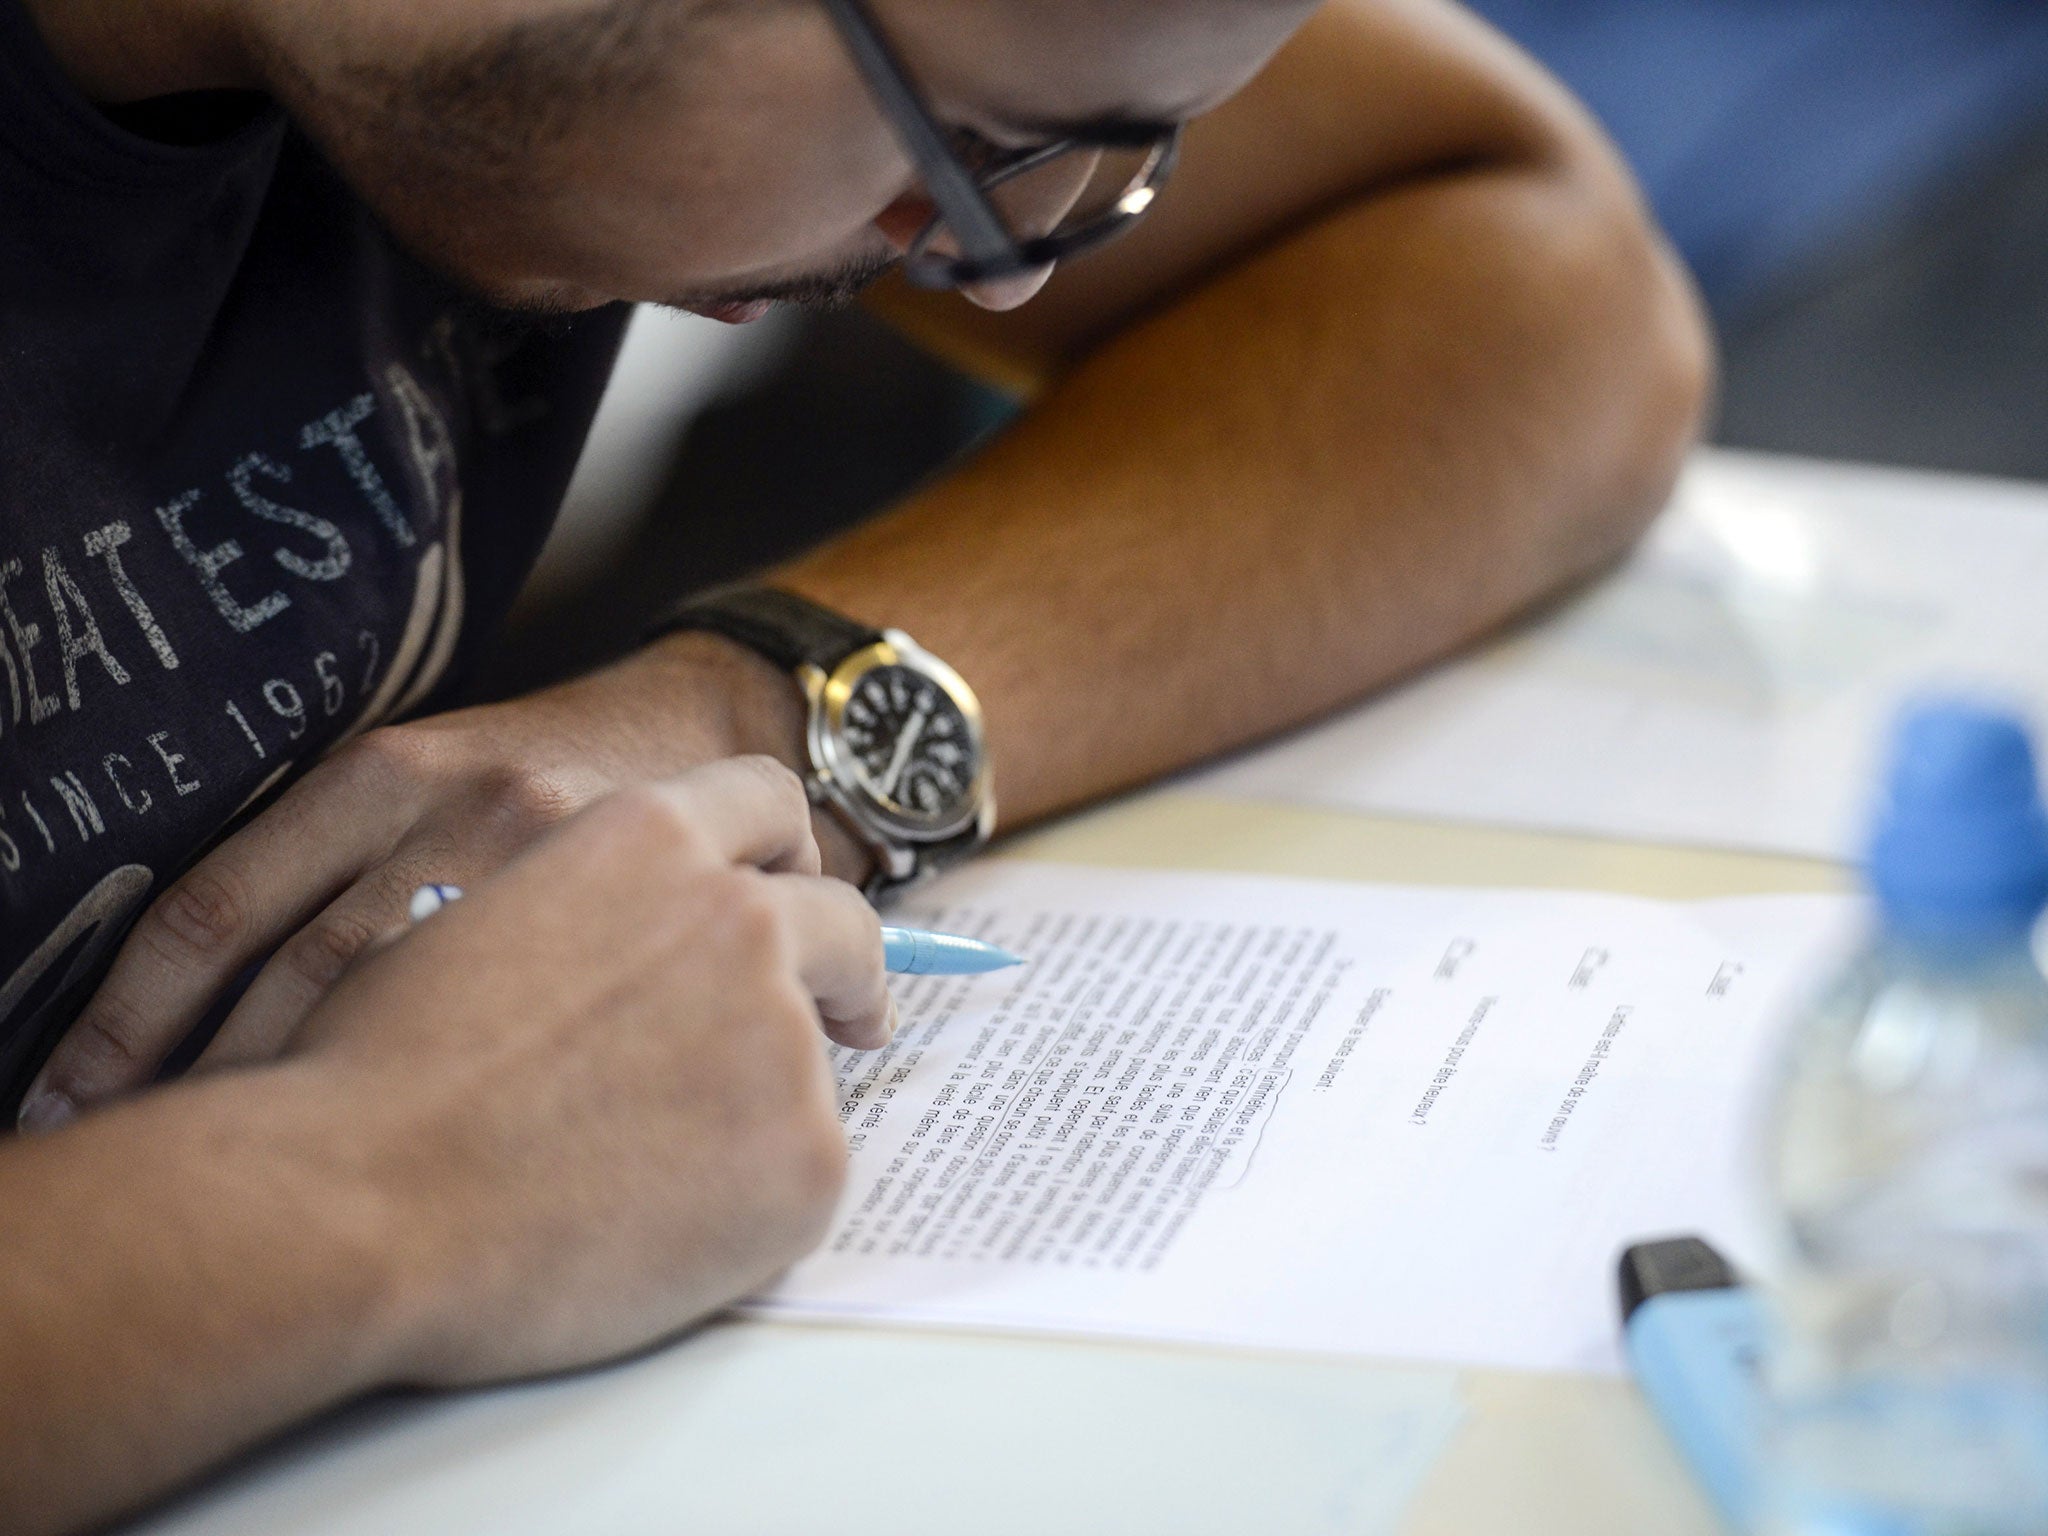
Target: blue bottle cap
1961	845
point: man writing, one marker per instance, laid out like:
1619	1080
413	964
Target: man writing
1384	352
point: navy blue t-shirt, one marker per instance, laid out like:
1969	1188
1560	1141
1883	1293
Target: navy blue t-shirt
264	483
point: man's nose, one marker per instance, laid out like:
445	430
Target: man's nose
1033	205
1006	292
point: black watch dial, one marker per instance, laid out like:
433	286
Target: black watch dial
914	749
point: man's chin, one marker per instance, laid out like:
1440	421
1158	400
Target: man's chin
826	290
730	311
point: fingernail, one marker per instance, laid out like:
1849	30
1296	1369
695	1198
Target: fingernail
895	1022
46	1111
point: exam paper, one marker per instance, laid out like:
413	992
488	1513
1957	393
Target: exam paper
1415	1122
1731	685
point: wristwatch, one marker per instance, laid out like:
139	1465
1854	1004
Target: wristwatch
894	734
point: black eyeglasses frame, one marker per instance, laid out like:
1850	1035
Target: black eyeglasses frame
988	249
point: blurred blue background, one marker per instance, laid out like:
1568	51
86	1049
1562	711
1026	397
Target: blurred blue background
1769	132
1861	187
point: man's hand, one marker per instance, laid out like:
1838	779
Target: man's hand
556	1121
658	1170
326	873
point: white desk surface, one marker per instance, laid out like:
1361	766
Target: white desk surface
756	1427
1729	686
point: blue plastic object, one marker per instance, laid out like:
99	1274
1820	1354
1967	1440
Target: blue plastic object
918	952
1961	845
1695	1358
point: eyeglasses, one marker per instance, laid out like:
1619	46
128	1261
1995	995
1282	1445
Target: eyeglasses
1104	183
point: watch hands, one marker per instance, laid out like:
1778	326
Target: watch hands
904	747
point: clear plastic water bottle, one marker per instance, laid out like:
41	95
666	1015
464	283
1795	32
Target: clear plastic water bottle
1907	1162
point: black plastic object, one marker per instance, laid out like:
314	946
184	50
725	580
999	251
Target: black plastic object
1671	1264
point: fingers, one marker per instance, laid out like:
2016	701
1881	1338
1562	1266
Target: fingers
348	844
751	811
209	925
306	968
836	939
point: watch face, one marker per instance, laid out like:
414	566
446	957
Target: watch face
911	745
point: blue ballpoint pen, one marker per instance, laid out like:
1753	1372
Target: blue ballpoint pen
919	952
905	951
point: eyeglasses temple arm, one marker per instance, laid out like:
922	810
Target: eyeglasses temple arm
969	216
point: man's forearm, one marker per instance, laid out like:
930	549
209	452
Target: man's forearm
181	1276
1358	450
